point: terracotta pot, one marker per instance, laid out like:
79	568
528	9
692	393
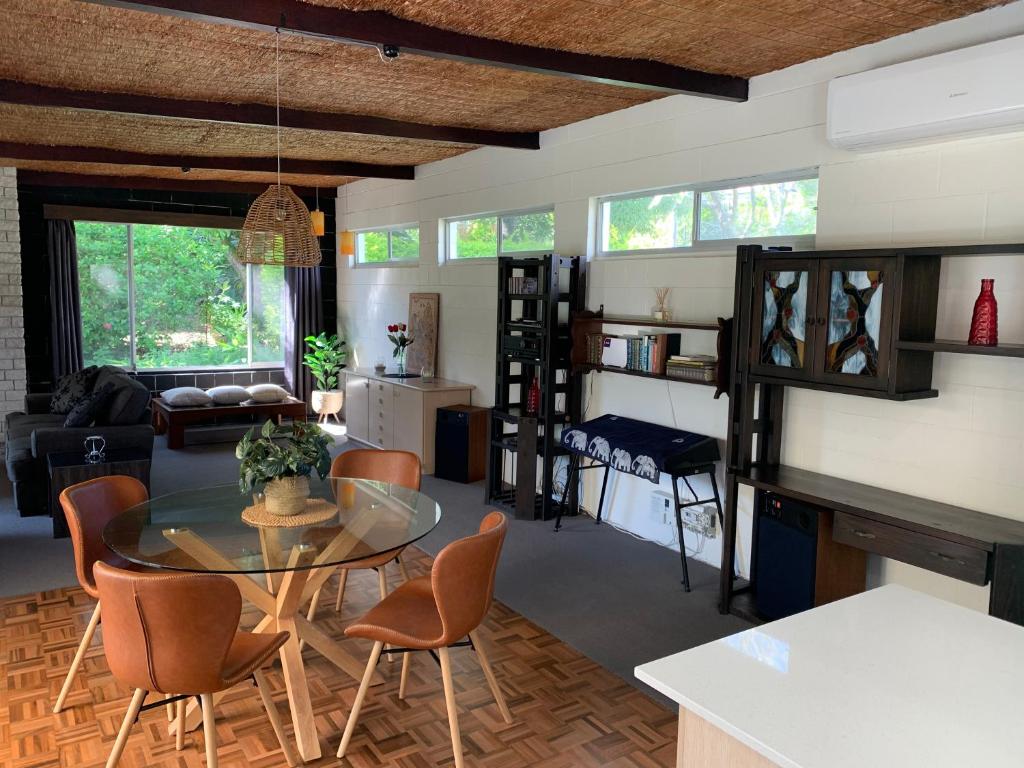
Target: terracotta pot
327	402
286	495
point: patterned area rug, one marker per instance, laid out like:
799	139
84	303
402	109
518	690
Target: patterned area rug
569	712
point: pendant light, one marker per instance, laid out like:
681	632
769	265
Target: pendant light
278	229
346	238
317	217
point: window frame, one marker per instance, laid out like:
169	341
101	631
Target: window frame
698	245
391	261
446	234
130	276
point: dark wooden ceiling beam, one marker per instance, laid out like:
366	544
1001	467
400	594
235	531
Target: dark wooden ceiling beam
379	29
13	92
16	151
142	183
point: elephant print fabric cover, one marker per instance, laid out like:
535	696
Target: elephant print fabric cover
639	447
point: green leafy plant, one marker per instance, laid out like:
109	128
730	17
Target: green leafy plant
325	359
294	450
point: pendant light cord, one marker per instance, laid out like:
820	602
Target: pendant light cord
277	85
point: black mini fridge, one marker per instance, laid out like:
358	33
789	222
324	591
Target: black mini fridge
786	548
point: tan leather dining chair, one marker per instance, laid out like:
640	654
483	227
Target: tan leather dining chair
433	613
397	467
177	634
89	506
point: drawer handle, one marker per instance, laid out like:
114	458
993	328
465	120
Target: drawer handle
862	534
947	558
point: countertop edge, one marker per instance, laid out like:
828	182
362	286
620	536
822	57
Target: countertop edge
435	385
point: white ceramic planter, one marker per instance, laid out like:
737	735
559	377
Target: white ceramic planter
286	495
327	402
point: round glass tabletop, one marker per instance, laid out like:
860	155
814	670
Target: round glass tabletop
202	530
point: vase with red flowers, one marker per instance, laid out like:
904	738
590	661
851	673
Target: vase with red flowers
397	335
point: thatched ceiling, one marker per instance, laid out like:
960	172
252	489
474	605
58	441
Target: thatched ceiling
86	47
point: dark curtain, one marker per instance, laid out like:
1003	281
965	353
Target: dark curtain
65	308
305	317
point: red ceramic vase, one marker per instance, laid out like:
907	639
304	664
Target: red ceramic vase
985	323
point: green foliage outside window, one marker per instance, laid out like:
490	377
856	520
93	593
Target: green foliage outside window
478	238
189	297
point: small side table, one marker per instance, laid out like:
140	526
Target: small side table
67	469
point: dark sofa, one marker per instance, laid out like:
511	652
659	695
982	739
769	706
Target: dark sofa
34	433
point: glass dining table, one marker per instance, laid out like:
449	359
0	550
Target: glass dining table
203	530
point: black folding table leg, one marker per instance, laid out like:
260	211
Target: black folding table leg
569	474
600	502
679	527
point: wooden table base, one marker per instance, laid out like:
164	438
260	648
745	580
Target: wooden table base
702	745
299	580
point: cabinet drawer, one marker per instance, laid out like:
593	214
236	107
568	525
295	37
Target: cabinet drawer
920	549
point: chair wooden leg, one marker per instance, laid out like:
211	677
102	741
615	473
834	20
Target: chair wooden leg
275	719
169	708
83	646
405	675
492	681
357	705
342	580
449	700
382	583
179	734
209	730
129	718
401	567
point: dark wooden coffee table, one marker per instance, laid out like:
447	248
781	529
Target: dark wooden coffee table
67	469
167	418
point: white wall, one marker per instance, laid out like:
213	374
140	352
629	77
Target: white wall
12	321
965	447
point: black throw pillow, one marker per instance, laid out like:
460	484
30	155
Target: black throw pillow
84	413
71	388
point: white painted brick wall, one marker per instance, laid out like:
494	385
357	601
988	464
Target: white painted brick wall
12	322
965	447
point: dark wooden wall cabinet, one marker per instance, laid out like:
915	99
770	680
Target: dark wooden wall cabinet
859	322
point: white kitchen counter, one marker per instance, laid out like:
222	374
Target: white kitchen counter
890	678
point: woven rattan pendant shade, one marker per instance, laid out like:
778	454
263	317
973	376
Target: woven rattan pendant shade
278	230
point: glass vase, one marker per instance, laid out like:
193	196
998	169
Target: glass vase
400	361
985	321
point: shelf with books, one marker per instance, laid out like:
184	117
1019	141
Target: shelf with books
648	352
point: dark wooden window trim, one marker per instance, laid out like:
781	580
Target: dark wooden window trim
123	216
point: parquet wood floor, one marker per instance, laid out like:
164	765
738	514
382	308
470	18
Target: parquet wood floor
569	712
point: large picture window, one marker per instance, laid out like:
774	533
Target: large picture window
485	237
715	216
156	296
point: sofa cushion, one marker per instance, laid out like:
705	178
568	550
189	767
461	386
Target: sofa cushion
185	396
71	388
267	393
89	407
19	459
229	394
24	424
129	403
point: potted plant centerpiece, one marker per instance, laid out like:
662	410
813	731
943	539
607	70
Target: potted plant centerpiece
325	359
281	460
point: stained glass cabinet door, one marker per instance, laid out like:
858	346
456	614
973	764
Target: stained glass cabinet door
785	295
855	300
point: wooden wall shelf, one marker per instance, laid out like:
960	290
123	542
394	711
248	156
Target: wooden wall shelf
586	322
963	348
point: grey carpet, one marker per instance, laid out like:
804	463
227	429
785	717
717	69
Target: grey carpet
614	598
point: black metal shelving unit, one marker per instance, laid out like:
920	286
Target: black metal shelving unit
536	299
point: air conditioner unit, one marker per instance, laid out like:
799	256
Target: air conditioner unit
973	91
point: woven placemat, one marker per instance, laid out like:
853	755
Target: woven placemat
317	511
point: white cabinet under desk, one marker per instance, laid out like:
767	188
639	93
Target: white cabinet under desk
399	413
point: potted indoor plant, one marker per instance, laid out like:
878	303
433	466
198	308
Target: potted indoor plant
325	359
281	459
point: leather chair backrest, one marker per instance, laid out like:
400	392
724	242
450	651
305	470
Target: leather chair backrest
397	467
168	633
462	578
89	506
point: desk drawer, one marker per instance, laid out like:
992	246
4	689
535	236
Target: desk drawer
920	549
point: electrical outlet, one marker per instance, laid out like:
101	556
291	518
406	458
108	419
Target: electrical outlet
661	507
700	519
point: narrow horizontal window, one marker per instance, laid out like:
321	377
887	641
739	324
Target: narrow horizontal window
486	237
380	246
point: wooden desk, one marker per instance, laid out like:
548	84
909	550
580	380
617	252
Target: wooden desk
962	543
890	678
173	420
